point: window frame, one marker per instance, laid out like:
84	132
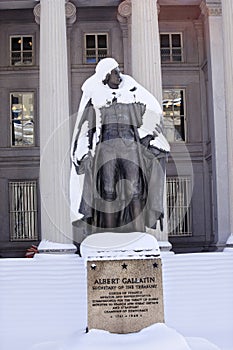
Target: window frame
96	46
171	48
184	210
32	219
11	120
21	52
184	116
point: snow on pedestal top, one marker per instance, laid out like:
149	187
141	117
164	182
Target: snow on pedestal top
120	245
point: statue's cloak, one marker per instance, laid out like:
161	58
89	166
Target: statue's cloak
145	114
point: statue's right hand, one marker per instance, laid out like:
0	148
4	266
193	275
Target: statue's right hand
82	165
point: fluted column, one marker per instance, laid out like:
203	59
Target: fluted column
139	23
227	15
146	69
146	63
216	106
54	121
124	18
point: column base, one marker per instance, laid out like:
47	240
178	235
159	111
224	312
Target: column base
47	247
229	244
165	247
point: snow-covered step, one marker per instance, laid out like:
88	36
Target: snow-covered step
41	299
44	299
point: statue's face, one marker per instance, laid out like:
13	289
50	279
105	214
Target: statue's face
114	79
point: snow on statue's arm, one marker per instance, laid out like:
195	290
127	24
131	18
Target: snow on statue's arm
83	132
151	120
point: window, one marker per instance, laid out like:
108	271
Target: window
22	118
23	210
21	50
174	115
171	47
179	211
96	47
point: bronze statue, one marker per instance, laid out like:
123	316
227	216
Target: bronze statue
118	154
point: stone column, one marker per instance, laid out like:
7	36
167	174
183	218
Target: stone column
227	15
124	18
203	76
146	63
139	24
54	120
140	21
146	69
216	107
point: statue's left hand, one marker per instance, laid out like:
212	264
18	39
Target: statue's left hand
84	164
160	141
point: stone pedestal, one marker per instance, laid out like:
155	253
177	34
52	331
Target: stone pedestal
124	282
124	296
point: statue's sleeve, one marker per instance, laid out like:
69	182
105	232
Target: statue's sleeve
83	138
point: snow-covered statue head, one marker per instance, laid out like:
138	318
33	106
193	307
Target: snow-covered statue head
118	155
105	67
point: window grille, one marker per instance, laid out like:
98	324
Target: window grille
23	210
178	206
96	47
171	47
22	118
174	114
21	50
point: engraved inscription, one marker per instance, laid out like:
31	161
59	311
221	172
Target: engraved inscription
121	290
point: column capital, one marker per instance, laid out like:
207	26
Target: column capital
125	9
211	8
70	10
36	12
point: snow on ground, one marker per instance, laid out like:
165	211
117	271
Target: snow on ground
43	306
157	336
198	296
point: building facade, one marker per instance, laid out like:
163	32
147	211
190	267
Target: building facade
179	50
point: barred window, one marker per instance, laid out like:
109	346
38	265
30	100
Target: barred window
23	210
174	114
22	118
171	47
21	50
178	206
96	47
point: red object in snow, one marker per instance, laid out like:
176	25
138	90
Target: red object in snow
31	251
